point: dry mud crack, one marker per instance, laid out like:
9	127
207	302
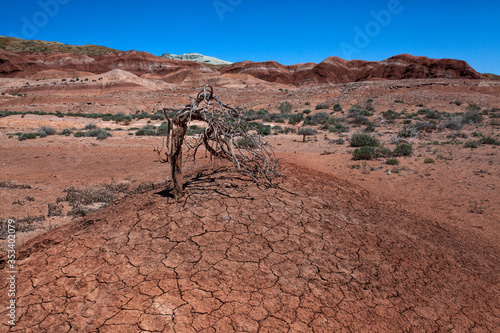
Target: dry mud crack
324	256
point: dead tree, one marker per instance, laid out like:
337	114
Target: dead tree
226	136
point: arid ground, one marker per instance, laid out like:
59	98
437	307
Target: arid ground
391	243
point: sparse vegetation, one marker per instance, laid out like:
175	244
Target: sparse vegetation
363	140
285	107
402	150
306	131
471	144
27	136
322	106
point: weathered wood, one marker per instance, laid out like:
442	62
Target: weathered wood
221	138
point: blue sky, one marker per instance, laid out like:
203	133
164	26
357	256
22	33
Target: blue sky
286	31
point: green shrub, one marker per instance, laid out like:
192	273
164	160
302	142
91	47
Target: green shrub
195	130
337	107
398	101
432	114
402	150
472	117
78	134
250	142
315	119
364	153
392	161
390	115
363	140
321	106
295	118
285	107
147	130
370	127
471	144
489	140
66	132
98	133
27	136
306	111
90	126
276	117
339	128
47	130
454	122
306	131
428	160
473	107
457	103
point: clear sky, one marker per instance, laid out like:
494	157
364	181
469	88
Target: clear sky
286	31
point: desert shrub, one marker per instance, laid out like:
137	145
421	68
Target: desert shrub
78	134
454	136
338	128
89	195
390	115
306	111
473	107
471	144
14	186
55	209
321	106
22	224
148	130
41	134
402	150
277	129
357	109
398	101
90	126
337	107
285	107
261	128
275	118
427	126
471	117
428	160
454	122
392	161
27	136
336	120
457	103
489	140
370	127
250	142
193	130
432	114
364	153
363	140
306	131
383	152
47	130
66	132
295	118
315	119
98	133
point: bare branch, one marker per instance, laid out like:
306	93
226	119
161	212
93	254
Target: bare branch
226	136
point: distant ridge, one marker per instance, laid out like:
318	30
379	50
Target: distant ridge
197	58
23	58
17	45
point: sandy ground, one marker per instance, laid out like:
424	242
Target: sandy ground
457	192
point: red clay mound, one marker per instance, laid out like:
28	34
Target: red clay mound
232	257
